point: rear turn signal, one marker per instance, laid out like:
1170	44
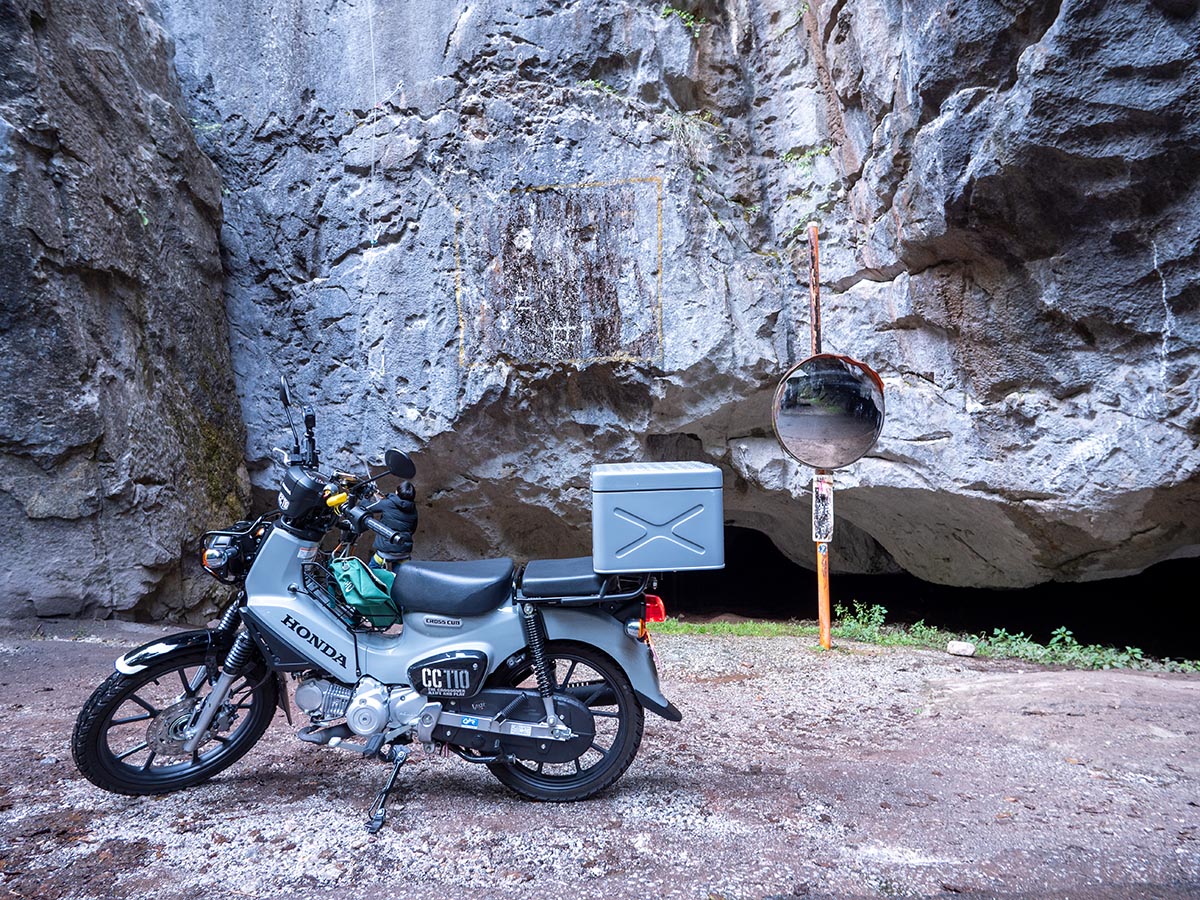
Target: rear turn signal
655	610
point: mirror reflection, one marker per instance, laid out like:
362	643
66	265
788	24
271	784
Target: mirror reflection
828	411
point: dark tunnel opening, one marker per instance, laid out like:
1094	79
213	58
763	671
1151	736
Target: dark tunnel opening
1149	611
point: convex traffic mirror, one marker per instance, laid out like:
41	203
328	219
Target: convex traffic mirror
828	411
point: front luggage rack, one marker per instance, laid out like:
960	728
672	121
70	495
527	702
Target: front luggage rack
320	584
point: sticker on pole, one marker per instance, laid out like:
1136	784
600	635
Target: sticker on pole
822	513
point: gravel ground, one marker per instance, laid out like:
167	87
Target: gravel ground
859	773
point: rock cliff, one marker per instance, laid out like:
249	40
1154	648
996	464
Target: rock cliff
120	432
523	237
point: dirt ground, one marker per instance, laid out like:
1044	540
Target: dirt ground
858	773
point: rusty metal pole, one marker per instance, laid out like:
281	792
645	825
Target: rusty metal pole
814	288
814	317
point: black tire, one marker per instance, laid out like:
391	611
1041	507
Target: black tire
131	710
593	678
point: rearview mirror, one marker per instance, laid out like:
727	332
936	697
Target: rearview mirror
399	464
285	394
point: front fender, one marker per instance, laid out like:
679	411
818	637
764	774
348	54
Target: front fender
214	643
604	632
170	646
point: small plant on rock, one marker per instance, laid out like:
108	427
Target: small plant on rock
804	159
595	84
690	20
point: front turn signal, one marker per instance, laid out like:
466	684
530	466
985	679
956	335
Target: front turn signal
656	611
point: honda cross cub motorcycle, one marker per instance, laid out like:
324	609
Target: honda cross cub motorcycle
541	674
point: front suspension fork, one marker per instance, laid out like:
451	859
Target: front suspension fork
239	657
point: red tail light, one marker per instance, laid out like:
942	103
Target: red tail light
655	610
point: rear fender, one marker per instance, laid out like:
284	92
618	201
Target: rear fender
602	631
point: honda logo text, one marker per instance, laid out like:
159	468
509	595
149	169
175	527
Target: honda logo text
306	635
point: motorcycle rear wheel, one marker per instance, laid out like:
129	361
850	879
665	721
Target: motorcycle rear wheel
127	738
600	684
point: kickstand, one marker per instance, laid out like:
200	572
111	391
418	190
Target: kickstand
377	810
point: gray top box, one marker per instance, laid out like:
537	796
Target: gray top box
654	476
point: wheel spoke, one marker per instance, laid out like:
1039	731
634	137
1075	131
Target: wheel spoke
149	759
195	683
570	671
148	707
599	749
138	749
578	768
594	694
605	715
129	719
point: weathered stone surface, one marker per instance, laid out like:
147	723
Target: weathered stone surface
120	432
1025	266
440	222
524	237
520	238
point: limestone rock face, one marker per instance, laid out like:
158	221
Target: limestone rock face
1023	259
120	432
520	238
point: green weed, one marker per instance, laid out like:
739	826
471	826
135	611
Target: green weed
860	623
868	624
749	628
690	20
804	160
595	84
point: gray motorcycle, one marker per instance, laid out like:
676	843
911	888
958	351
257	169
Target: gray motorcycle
541	673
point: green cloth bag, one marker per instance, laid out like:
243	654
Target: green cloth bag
366	590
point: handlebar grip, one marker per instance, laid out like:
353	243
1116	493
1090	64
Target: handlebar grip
382	530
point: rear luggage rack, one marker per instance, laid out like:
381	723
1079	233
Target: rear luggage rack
616	589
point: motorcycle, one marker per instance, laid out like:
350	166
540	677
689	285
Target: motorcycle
540	673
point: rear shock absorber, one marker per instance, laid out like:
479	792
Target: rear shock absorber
535	639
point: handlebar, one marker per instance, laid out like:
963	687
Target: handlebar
360	518
382	530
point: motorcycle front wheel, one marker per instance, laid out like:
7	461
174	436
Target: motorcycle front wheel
128	738
599	683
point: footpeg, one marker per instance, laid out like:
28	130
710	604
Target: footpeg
378	811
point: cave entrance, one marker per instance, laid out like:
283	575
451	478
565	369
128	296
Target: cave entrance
759	582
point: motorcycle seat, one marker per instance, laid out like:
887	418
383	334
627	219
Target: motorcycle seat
469	588
561	578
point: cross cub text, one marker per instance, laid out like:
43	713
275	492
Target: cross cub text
541	673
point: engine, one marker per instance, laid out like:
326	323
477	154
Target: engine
323	700
369	708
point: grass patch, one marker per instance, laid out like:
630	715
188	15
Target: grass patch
748	628
868	625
